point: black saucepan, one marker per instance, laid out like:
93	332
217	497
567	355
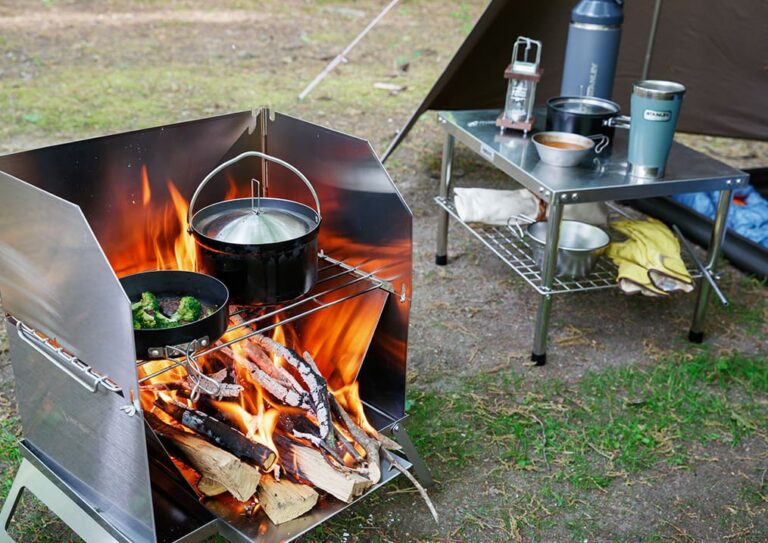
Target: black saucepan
208	290
584	115
263	249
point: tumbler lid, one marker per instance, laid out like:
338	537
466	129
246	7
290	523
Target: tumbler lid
658	90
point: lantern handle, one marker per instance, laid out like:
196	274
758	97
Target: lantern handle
528	42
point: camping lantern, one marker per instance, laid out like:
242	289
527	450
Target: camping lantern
523	75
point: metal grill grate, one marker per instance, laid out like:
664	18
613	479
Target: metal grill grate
337	283
517	254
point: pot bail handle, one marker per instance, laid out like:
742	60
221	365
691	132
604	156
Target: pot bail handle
239	157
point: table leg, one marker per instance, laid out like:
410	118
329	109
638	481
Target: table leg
549	269
696	334
441	256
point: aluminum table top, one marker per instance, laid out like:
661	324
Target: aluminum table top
596	178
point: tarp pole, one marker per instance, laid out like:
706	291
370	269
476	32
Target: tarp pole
651	39
342	57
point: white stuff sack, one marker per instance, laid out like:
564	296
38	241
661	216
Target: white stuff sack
492	206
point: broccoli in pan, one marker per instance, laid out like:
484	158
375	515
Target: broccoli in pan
168	312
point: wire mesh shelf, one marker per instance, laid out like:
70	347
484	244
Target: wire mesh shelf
337	282
515	251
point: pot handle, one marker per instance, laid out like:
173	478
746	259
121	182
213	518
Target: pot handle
619	121
602	142
237	159
515	221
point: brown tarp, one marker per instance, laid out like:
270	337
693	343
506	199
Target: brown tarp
717	49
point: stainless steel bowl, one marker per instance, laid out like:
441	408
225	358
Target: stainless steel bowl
581	244
565	157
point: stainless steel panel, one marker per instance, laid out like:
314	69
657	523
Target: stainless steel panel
365	223
604	179
97	447
55	278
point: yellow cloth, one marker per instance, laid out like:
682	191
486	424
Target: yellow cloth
649	260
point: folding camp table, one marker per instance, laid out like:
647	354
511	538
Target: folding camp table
603	180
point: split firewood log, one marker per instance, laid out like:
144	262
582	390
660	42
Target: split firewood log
214	464
285	500
309	464
209	487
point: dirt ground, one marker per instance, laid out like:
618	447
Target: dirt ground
76	69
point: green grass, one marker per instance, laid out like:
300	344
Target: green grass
614	424
611	423
9	453
87	100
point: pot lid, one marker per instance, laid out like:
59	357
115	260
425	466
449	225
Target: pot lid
584	106
250	226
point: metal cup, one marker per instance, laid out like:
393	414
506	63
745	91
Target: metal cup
655	107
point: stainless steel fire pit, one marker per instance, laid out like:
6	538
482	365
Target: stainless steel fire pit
68	216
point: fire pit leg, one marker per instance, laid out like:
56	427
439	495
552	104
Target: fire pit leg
32	479
419	466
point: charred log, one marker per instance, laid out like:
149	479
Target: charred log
220	433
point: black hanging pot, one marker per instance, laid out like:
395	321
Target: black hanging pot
584	115
263	249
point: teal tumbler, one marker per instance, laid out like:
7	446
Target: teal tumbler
655	107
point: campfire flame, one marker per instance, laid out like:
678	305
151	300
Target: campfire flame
336	338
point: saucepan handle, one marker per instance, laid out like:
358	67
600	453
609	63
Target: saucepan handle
239	157
619	121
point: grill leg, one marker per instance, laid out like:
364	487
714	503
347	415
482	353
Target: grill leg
419	466
30	478
441	256
696	334
549	268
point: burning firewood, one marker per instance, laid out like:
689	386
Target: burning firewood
278	387
301	427
370	446
318	388
214	464
285	500
222	434
310	465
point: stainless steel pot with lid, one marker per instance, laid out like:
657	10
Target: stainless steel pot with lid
264	249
